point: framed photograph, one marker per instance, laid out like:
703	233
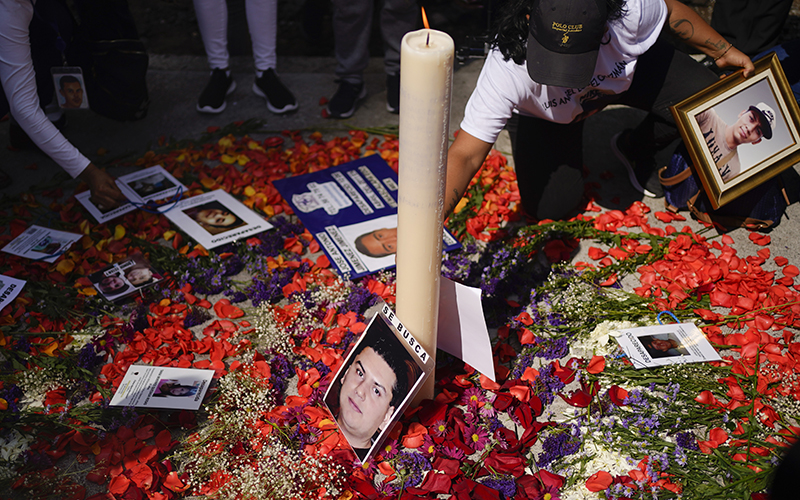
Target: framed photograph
741	132
125	278
70	88
377	380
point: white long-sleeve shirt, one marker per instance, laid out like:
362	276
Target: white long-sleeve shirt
19	83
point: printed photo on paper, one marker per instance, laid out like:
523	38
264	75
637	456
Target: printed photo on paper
150	184
102	216
164	387
379	377
70	88
125	278
216	218
9	289
666	345
351	210
41	243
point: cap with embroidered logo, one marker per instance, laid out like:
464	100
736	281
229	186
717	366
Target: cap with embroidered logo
766	117
563	40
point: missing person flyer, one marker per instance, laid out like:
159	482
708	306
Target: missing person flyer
662	345
9	289
351	210
150	184
378	379
125	278
164	387
216	218
41	243
106	214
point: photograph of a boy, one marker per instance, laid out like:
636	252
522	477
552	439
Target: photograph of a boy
173	388
663	345
153	184
371	386
744	130
113	285
214	217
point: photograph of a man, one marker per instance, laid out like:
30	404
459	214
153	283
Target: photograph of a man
378	242
371	386
71	91
214	217
663	345
753	124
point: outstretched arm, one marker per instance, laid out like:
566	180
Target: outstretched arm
689	27
464	159
105	193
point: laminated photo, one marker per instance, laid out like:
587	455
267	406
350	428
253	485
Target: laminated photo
378	379
216	218
102	216
125	278
163	387
662	345
351	209
150	184
41	243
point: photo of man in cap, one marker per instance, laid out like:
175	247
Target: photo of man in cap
754	124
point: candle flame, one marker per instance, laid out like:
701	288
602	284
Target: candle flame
425	19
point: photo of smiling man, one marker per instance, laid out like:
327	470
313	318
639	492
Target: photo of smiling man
367	392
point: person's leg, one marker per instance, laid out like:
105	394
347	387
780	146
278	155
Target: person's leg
663	77
262	20
352	23
548	159
212	19
398	17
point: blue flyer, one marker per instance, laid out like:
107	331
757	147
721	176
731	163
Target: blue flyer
351	210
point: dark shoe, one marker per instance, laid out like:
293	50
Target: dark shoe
279	98
642	173
343	103
393	93
212	100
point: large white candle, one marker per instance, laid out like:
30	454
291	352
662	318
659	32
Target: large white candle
426	82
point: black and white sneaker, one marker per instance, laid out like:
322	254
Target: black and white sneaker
642	174
393	93
343	103
212	100
279	98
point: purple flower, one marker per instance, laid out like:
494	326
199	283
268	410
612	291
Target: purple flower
504	484
411	466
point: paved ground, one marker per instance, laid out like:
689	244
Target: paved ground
176	81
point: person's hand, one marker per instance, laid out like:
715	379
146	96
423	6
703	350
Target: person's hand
735	58
105	193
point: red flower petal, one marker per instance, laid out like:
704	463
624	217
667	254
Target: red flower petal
599	481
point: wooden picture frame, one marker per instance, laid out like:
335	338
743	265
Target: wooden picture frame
726	113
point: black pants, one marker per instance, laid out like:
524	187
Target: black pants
549	156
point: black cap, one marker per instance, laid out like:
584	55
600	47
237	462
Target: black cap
563	39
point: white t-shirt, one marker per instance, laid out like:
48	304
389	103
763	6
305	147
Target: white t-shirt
19	83
504	87
713	129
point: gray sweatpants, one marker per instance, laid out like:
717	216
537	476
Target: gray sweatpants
352	24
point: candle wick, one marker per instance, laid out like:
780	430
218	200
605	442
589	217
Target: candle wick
428	41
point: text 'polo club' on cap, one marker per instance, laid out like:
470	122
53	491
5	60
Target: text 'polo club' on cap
563	40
